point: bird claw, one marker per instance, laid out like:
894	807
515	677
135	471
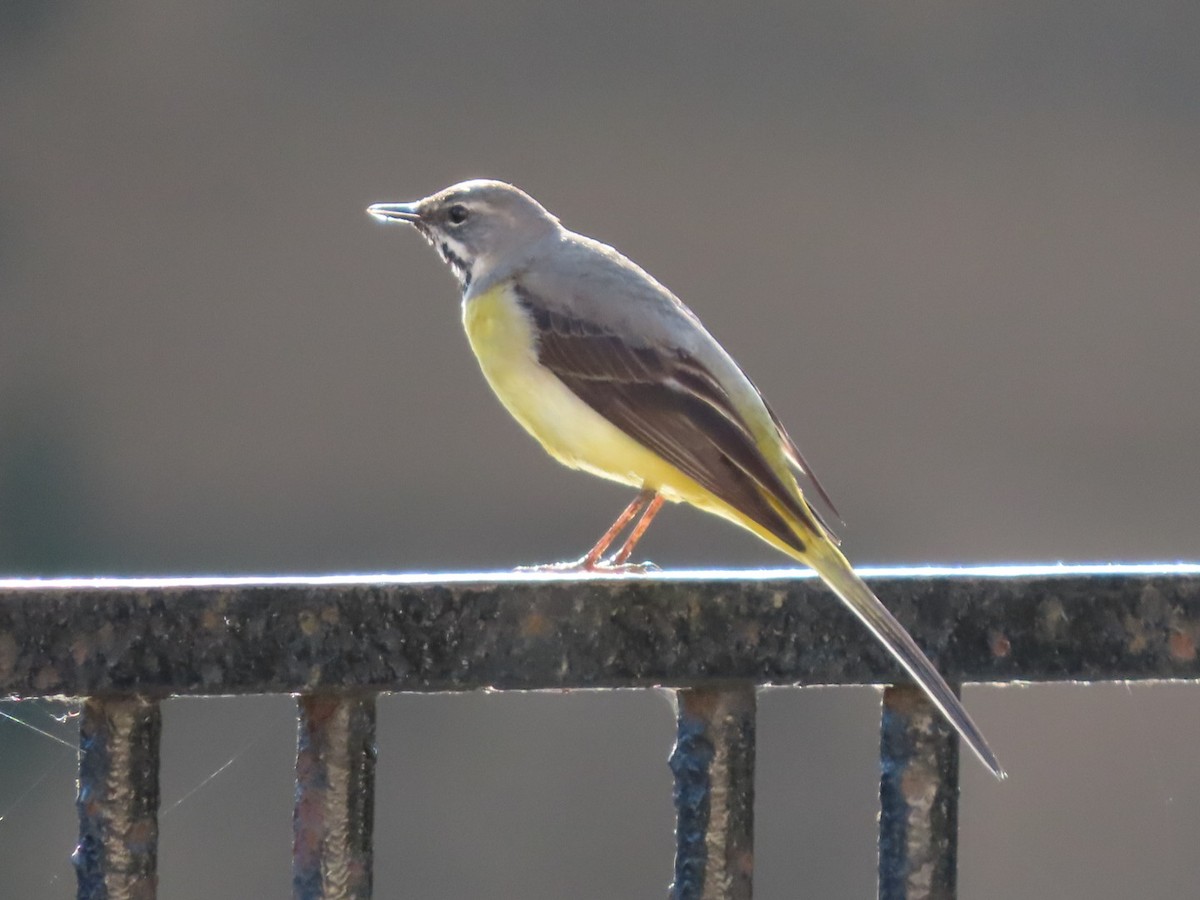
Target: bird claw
583	564
627	568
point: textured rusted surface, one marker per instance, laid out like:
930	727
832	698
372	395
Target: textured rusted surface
507	632
918	795
118	797
335	798
713	764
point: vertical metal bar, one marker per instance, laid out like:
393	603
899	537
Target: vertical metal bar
335	797
117	855
918	794
713	764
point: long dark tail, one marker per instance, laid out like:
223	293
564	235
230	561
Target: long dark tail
836	572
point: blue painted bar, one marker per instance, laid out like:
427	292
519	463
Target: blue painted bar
117	854
918	796
334	816
713	765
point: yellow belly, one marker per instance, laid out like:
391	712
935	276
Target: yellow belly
503	338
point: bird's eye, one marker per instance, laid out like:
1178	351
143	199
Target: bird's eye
457	214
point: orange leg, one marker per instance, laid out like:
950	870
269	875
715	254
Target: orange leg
592	559
622	555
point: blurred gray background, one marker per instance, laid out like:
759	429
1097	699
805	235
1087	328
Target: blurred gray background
956	246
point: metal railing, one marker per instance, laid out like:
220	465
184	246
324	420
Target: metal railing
714	637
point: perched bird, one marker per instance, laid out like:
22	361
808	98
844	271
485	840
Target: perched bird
612	374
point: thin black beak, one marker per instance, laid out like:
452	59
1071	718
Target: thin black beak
395	212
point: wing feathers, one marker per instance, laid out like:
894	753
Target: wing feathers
670	403
797	460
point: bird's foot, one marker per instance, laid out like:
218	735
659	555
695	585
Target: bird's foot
602	566
607	567
627	568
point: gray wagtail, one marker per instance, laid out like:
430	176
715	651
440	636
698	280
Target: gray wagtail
612	374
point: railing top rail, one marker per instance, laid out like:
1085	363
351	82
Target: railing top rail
512	576
462	631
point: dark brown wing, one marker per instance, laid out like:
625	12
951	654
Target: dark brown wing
671	404
801	465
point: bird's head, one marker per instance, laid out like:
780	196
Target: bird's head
475	225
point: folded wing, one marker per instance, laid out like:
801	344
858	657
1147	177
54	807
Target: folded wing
669	402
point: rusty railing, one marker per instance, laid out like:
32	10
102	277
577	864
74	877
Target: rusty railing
122	646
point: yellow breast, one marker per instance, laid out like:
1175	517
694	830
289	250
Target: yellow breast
504	340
